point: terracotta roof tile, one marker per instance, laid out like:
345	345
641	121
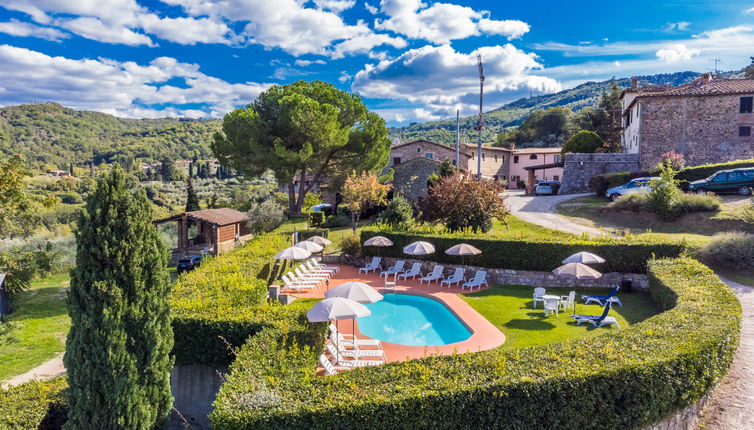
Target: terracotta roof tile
696	88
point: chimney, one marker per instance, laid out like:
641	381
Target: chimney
634	82
706	78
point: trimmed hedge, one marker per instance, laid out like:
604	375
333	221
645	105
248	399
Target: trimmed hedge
306	234
704	171
629	378
621	255
600	183
316	218
35	404
218	306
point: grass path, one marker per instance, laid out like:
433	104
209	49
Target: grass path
37	329
509	308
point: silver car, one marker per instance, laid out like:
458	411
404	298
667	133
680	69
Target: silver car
634	186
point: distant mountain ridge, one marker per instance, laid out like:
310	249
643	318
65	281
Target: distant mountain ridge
511	114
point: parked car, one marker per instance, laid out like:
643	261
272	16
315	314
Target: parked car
634	186
187	264
547	188
733	181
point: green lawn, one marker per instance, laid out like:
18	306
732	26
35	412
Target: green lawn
38	327
695	228
509	308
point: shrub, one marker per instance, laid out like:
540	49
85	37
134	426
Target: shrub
460	205
732	249
583	142
351	246
664	196
632	202
622	255
335	221
306	234
27	405
399	214
265	216
708	202
71	198
316	218
630	378
675	159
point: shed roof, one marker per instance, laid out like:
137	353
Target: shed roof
218	217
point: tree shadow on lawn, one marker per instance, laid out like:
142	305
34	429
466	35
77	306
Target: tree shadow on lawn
529	324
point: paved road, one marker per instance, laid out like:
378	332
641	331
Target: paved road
541	211
730	405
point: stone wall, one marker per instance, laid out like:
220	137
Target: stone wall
194	389
521	277
702	128
685	419
580	167
410	178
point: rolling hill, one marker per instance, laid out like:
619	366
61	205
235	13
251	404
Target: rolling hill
513	113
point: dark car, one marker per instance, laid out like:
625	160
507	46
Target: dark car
187	264
738	181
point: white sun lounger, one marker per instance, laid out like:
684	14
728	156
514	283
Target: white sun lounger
376	356
398	268
456	278
413	273
351	341
480	278
374	265
318	265
436	275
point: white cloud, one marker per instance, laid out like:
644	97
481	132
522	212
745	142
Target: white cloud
186	31
750	10
443	22
122	88
335	5
305	63
371	9
442	80
344	77
676	26
364	43
96	29
15	27
400	118
676	53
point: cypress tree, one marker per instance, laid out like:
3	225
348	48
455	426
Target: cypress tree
118	350
192	200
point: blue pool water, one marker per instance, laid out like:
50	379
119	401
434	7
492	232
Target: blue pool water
412	320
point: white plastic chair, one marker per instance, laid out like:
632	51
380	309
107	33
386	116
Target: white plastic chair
413	273
398	268
436	275
456	278
374	265
552	305
538	293
568	301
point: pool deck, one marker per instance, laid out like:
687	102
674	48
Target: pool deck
484	334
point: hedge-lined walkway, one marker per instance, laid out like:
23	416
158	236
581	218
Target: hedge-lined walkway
730	405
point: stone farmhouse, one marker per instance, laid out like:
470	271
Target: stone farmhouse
708	121
503	164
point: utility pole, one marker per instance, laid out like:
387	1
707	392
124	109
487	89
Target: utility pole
480	126
458	136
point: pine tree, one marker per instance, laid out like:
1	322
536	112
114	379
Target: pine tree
191	170
192	200
118	350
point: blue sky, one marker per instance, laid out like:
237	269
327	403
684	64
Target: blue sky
410	60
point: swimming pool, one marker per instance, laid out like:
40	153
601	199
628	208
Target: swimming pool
413	321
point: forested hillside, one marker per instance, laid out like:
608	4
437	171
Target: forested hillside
50	134
497	120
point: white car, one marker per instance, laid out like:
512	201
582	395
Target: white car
547	188
634	186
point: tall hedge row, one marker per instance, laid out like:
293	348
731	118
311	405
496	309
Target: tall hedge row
704	171
28	405
629	378
217	307
621	255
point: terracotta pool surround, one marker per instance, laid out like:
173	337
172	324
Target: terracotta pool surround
484	335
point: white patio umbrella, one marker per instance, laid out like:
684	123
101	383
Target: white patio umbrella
462	249
309	246
293	253
359	292
578	271
378	242
319	240
419	248
584	258
336	309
